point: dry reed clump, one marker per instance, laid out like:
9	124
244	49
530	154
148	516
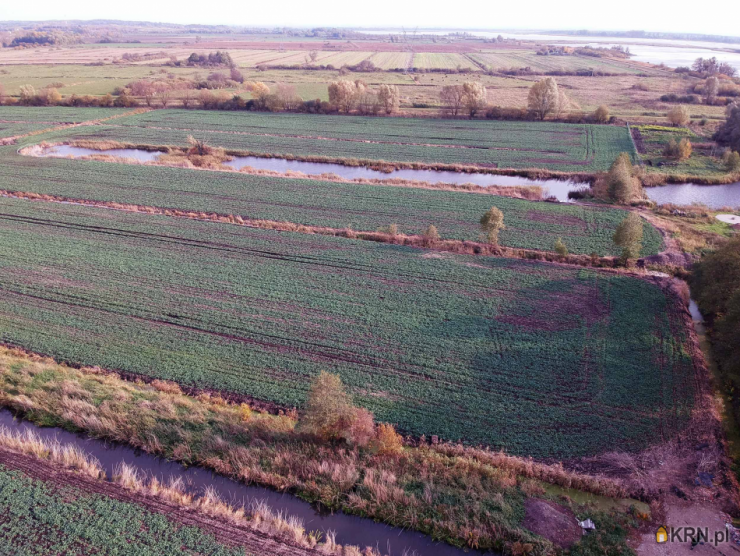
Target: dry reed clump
554	474
71	457
259	516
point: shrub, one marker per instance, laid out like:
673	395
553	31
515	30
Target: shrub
731	161
430	235
601	114
491	222
387	441
560	248
245	412
391	230
680	151
678	115
729	133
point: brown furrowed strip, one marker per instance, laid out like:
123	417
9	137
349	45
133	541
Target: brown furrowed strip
462	247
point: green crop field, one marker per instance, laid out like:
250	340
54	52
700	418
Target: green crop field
40	518
54	115
654	140
533	225
536	358
552	146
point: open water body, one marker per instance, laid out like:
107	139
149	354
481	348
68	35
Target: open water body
555	188
714	196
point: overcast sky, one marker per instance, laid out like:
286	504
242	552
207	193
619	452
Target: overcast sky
720	17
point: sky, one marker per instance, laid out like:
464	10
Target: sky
649	15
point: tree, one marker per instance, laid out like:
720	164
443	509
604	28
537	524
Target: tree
622	185
259	91
544	98
344	94
163	92
330	413
711	88
287	96
729	132
491	222
628	236
715	283
368	103
474	97
452	98
28	92
236	75
49	96
389	98
601	114
313	55
560	247
678	115
2	93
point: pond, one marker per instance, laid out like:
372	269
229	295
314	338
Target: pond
713	196
349	529
555	188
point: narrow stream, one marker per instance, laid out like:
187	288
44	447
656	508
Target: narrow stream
714	196
555	188
349	529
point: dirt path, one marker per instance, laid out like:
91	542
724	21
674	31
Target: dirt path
226	533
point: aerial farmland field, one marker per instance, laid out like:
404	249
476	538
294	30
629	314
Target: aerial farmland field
527	356
48	511
518	145
530	225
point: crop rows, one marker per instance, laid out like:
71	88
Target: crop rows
535	358
317	203
54	114
38	518
553	146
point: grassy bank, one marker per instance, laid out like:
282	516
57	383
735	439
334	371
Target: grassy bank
467	497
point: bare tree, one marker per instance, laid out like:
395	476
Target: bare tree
313	55
544	98
187	98
711	88
287	96
452	98
163	92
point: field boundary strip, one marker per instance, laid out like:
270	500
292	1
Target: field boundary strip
465	247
